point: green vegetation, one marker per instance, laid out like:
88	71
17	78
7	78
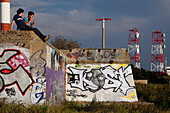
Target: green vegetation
61	43
152	77
157	94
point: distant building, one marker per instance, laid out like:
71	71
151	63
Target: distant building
168	70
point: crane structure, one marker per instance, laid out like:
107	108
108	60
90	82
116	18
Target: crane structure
103	29
157	62
133	46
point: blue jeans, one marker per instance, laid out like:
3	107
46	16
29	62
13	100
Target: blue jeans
35	30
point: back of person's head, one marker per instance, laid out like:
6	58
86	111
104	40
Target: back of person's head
30	13
20	10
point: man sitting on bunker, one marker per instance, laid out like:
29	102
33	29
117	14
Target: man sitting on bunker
22	26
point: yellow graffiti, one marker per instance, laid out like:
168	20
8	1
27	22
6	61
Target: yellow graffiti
130	96
119	65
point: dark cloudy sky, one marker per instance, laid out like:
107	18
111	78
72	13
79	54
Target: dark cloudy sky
75	19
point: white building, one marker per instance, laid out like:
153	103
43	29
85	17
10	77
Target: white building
168	70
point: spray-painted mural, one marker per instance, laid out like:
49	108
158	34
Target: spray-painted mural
105	82
55	79
55	60
55	87
22	79
98	54
38	70
15	77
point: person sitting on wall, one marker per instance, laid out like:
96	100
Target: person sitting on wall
22	26
29	19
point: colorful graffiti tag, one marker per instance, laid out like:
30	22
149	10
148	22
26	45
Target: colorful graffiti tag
37	68
99	55
55	87
105	77
13	71
85	83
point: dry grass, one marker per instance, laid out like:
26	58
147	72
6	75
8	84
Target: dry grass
157	94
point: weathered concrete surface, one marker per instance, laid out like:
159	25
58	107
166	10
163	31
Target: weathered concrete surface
103	74
141	81
119	56
104	82
17	36
26	63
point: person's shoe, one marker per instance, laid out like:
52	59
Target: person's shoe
47	37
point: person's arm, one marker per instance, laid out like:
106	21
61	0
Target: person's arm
27	23
12	24
33	23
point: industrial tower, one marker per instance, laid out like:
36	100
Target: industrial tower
103	29
157	63
133	46
5	14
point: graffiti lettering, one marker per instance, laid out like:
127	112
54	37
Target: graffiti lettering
103	78
38	64
38	71
75	54
98	55
9	75
10	92
74	93
37	93
19	60
109	54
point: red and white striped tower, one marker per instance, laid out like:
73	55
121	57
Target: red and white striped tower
103	29
133	46
157	63
5	14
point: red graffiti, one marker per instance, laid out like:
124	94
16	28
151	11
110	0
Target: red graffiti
14	69
6	71
20	59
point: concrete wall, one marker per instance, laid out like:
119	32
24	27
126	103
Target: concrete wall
118	55
15	77
141	81
34	72
103	74
26	65
105	82
55	76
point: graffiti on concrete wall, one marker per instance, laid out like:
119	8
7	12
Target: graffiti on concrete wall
55	59
105	82
98	55
102	78
20	60
13	70
74	93
55	87
37	68
10	91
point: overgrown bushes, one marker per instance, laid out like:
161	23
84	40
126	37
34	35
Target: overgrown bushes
156	93
152	77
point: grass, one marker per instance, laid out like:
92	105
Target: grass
154	93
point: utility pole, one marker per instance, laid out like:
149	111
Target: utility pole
103	29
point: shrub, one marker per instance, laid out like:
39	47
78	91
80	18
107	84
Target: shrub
157	93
